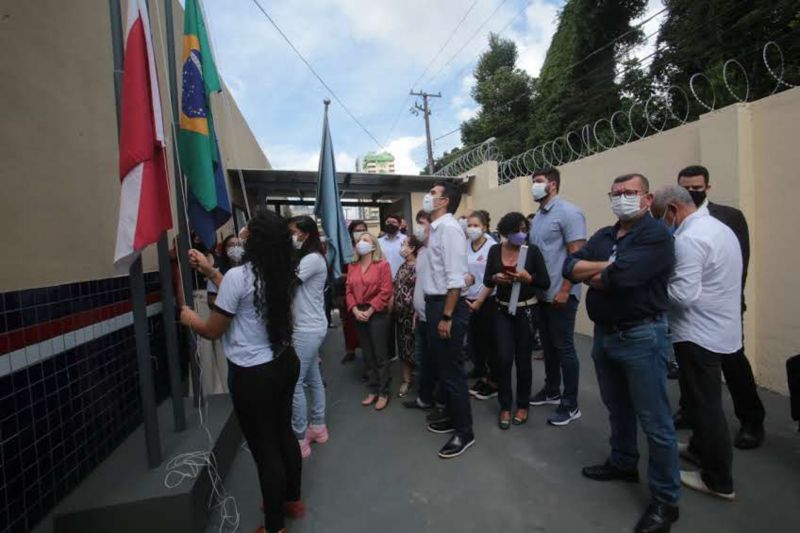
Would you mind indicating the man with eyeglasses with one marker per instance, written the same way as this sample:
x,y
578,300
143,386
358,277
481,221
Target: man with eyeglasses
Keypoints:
x,y
627,267
735,367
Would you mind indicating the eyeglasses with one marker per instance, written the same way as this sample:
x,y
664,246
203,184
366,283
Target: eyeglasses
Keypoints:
x,y
629,195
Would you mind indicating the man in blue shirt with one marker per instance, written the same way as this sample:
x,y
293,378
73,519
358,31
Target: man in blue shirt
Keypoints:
x,y
558,229
627,267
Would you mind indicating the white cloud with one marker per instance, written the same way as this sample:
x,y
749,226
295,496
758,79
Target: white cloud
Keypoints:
x,y
290,157
401,148
650,29
467,113
532,43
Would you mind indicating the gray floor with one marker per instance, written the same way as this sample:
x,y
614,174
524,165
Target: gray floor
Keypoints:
x,y
380,472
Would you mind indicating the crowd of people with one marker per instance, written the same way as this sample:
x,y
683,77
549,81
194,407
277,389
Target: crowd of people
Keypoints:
x,y
667,278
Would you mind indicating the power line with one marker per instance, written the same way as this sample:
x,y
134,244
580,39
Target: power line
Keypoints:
x,y
430,64
314,72
448,134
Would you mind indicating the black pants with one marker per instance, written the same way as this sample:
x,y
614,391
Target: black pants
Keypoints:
x,y
701,387
742,386
262,401
480,337
447,356
514,341
372,338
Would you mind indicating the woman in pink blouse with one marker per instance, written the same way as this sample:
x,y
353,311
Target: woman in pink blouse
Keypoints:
x,y
368,291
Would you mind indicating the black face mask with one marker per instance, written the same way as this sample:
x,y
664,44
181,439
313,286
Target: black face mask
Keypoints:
x,y
698,197
391,229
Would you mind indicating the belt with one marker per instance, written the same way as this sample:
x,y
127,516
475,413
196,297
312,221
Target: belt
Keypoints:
x,y
526,303
625,326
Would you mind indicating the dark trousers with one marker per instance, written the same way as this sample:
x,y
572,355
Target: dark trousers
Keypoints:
x,y
557,331
480,340
391,337
514,341
701,387
447,355
262,400
372,338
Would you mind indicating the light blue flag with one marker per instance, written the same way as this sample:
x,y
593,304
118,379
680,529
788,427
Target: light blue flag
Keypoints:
x,y
328,207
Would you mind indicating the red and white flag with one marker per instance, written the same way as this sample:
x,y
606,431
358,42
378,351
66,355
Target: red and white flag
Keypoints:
x,y
144,207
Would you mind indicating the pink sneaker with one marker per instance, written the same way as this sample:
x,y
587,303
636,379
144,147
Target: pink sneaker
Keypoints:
x,y
305,448
317,434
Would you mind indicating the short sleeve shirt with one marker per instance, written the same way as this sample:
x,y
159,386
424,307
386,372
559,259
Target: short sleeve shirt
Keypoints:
x,y
556,224
391,251
476,265
246,342
308,307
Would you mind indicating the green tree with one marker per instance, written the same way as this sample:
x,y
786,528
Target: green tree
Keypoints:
x,y
700,36
504,94
577,84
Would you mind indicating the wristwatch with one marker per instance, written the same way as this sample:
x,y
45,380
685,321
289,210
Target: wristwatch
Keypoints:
x,y
446,318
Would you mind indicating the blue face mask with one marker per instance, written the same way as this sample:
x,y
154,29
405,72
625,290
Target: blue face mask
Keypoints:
x,y
672,228
518,239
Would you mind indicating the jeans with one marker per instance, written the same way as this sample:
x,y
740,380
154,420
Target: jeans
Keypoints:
x,y
480,340
557,331
447,356
372,336
262,401
514,343
631,368
701,388
307,344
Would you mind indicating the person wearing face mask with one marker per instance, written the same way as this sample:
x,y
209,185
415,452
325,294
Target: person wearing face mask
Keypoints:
x,y
706,327
559,229
231,255
448,315
482,308
357,228
404,284
391,243
627,267
735,367
369,290
310,328
513,332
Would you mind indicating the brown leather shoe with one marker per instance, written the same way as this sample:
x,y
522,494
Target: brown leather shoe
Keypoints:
x,y
369,400
504,422
520,417
383,401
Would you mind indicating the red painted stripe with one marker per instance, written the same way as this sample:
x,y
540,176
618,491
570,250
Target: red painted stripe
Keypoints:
x,y
20,338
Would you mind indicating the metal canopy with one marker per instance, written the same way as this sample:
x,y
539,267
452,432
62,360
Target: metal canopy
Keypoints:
x,y
352,185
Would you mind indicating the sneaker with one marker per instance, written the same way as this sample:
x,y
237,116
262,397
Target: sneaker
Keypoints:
x,y
564,415
486,392
437,415
305,448
456,446
694,481
417,404
542,398
317,434
442,426
476,387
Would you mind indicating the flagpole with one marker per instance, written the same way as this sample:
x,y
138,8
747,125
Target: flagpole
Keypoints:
x,y
183,224
146,382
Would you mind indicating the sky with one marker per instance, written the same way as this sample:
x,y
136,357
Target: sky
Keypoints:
x,y
369,52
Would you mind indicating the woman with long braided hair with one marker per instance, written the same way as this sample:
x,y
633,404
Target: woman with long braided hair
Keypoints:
x,y
253,316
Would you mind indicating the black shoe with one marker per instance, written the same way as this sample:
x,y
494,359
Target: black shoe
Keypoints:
x,y
658,518
680,420
416,404
442,426
437,415
749,439
609,472
672,370
486,392
456,446
476,387
542,398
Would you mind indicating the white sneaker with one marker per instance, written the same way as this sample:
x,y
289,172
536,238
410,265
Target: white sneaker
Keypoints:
x,y
694,481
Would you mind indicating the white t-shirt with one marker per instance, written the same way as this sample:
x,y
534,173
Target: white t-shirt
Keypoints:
x,y
308,309
391,251
476,265
246,342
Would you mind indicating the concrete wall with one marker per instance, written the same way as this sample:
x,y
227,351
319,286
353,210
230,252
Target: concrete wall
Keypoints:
x,y
751,153
58,140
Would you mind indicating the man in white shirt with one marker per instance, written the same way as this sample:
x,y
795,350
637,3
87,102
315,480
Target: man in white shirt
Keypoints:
x,y
391,242
705,321
447,314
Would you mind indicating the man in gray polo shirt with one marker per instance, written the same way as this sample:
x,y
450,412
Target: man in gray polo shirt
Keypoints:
x,y
559,229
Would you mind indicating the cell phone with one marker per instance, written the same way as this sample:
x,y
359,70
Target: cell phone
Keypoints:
x,y
509,269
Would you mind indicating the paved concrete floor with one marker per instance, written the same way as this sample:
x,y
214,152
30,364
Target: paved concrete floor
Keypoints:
x,y
380,472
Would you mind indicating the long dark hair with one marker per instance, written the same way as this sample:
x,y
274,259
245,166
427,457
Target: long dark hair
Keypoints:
x,y
351,228
312,244
268,248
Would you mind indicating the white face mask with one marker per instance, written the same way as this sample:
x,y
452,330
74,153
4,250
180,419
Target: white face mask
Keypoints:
x,y
625,208
463,223
428,203
539,190
364,248
420,234
235,253
474,234
357,235
296,242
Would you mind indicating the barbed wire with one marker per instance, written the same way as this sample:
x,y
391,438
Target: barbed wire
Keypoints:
x,y
665,109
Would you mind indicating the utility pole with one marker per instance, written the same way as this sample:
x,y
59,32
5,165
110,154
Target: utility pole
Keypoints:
x,y
426,113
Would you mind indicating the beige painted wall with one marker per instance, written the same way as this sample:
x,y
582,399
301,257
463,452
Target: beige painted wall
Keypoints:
x,y
751,153
58,141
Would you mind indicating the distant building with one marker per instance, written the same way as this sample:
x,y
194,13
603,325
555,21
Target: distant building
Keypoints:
x,y
382,163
